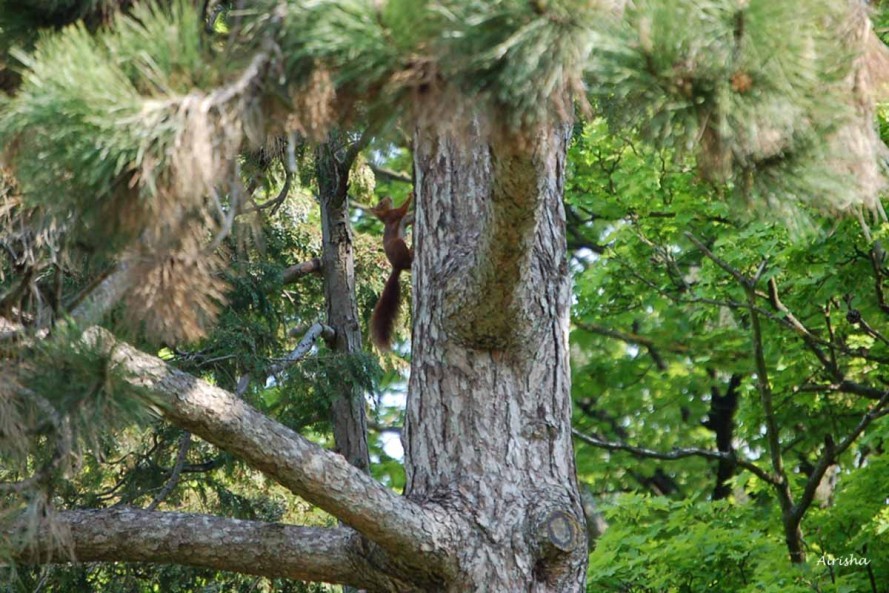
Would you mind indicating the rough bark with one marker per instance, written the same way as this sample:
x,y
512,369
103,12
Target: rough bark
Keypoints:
x,y
487,427
252,547
107,294
297,271
491,500
415,535
347,409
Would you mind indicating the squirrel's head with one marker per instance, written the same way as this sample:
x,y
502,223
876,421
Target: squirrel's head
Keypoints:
x,y
383,206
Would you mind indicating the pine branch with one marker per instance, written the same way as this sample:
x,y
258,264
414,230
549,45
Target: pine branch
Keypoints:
x,y
321,477
273,550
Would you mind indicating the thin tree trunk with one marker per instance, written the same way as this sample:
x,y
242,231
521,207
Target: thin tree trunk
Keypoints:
x,y
347,410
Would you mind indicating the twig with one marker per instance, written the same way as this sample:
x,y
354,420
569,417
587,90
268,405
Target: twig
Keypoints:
x,y
390,175
807,336
175,473
676,453
317,330
275,202
633,338
736,274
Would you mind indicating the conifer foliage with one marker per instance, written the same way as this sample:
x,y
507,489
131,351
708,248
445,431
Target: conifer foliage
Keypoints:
x,y
126,128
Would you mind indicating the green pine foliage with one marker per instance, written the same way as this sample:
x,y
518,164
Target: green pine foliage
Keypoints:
x,y
755,105
105,150
139,133
728,82
521,61
524,58
78,377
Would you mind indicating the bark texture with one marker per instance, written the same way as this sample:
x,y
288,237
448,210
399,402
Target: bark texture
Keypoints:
x,y
347,410
416,535
491,502
487,431
251,547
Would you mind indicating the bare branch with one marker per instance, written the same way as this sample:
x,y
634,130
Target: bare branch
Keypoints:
x,y
317,330
807,336
106,295
275,202
734,272
175,473
785,496
674,454
297,271
389,175
359,145
253,547
832,451
762,372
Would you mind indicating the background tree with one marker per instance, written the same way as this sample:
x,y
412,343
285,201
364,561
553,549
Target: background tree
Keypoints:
x,y
160,160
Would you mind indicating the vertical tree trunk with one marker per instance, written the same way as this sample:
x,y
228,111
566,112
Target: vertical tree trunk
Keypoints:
x,y
347,410
487,430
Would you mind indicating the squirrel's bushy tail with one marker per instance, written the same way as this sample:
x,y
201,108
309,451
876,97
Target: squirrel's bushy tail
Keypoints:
x,y
382,322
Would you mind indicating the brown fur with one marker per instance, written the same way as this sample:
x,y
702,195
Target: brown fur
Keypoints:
x,y
400,256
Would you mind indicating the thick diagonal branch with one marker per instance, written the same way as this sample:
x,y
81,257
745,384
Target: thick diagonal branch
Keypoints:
x,y
321,477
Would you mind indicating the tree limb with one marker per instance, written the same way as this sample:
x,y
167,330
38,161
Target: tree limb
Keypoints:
x,y
253,547
845,387
792,533
108,293
677,453
389,175
832,451
326,479
317,330
804,333
175,472
762,371
297,271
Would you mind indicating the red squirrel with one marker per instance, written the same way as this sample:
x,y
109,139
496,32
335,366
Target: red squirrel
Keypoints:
x,y
400,256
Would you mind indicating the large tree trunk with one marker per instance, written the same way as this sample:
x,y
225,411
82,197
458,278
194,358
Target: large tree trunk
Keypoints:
x,y
491,503
487,431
